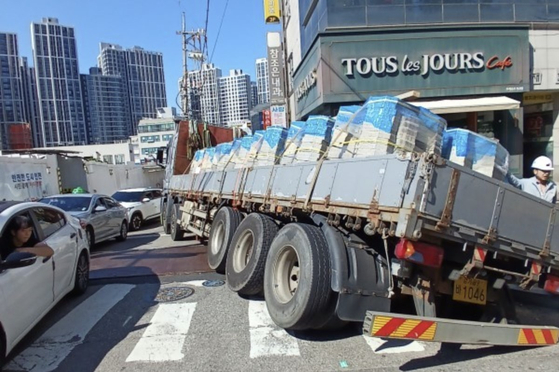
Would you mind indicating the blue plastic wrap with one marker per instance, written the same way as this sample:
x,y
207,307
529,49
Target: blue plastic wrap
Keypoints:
x,y
199,155
296,128
319,125
275,135
345,113
246,142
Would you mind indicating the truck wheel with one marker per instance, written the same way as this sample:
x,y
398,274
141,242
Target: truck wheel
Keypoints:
x,y
297,278
223,227
249,248
176,232
165,218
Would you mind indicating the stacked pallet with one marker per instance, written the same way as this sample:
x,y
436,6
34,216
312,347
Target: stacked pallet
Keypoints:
x,y
272,147
195,165
294,137
316,138
386,124
344,143
476,152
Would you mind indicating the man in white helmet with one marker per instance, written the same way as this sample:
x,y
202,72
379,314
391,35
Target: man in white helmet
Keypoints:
x,y
540,185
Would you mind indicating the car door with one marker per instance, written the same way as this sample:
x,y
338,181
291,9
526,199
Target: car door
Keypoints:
x,y
62,237
115,215
100,220
156,201
148,206
27,290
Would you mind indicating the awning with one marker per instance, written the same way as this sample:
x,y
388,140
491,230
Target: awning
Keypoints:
x,y
451,106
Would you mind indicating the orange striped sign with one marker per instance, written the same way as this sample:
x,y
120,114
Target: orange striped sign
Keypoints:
x,y
479,254
384,326
535,336
536,268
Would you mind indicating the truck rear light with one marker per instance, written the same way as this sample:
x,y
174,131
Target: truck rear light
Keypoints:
x,y
419,253
552,284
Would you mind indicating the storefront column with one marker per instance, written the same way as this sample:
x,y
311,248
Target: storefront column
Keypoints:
x,y
556,135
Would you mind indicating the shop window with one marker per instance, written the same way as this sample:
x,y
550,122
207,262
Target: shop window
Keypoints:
x,y
496,12
385,15
461,13
424,14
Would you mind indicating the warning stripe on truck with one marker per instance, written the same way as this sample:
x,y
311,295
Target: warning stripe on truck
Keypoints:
x,y
529,336
410,327
404,328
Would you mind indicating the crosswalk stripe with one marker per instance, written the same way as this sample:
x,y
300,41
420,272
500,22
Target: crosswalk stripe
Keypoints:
x,y
265,337
47,352
163,339
380,346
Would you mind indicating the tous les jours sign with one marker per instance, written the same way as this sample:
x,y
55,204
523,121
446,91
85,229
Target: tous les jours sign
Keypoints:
x,y
391,65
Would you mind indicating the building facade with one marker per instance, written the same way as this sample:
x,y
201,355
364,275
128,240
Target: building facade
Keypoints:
x,y
12,94
153,134
143,73
262,81
203,94
106,107
495,63
31,103
58,84
235,97
253,94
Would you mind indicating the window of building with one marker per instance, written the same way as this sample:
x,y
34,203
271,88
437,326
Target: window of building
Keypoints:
x,y
108,159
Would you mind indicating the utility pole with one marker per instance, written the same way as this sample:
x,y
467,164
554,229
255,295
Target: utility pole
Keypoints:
x,y
191,48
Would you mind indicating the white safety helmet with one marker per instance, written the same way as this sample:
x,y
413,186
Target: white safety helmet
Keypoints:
x,y
542,163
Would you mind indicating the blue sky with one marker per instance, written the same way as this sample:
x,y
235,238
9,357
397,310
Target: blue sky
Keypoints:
x,y
150,24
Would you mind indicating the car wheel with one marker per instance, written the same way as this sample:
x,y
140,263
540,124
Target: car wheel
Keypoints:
x,y
123,232
136,221
82,275
247,254
90,236
223,228
297,278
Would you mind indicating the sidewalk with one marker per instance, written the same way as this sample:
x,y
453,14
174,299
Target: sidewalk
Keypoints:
x,y
145,253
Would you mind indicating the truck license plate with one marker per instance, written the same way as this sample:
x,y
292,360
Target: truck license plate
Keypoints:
x,y
470,290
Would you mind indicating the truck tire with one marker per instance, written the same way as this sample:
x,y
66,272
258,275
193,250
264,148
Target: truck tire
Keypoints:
x,y
247,254
176,232
223,228
165,218
297,278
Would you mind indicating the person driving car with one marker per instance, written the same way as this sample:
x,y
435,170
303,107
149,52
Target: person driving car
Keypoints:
x,y
19,237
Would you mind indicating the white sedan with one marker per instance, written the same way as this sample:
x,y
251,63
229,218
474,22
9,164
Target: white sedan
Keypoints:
x,y
31,285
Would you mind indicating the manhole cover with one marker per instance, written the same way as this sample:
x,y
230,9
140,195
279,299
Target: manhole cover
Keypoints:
x,y
173,294
213,283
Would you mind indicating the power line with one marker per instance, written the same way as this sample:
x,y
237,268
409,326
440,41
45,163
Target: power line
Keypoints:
x,y
219,30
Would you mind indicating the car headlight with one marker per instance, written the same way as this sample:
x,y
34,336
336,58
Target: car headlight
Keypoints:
x,y
130,208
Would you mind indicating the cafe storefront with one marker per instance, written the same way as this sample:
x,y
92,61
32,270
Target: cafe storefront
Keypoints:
x,y
475,77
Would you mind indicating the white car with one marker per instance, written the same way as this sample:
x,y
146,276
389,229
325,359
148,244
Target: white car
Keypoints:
x,y
142,204
30,285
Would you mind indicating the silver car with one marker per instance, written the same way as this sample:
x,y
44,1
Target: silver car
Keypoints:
x,y
101,216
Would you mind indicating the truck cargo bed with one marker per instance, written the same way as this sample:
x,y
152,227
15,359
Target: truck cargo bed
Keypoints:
x,y
415,197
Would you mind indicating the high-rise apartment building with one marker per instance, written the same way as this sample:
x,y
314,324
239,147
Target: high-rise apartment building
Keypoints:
x,y
12,103
253,93
235,97
262,81
204,95
58,84
106,107
30,101
143,74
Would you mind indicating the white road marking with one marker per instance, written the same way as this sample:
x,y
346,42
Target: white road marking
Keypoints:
x,y
126,321
57,343
265,337
380,346
163,339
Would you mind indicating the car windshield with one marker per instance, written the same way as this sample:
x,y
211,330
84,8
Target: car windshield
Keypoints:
x,y
128,196
70,203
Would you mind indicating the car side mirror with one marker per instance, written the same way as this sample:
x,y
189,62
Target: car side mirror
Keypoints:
x,y
100,208
18,259
145,200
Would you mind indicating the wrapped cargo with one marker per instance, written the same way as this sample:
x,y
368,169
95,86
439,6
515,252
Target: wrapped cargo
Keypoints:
x,y
222,155
195,165
343,143
386,124
240,158
229,163
257,139
294,136
207,162
476,152
316,138
272,146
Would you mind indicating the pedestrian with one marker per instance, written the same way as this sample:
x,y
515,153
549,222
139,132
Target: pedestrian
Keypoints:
x,y
540,185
